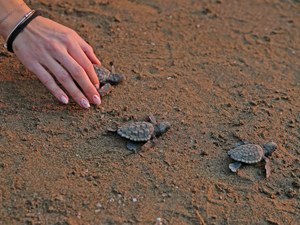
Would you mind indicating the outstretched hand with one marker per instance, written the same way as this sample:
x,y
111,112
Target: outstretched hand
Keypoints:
x,y
45,44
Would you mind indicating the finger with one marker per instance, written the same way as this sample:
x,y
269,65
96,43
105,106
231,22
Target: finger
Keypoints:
x,y
83,55
66,80
88,50
79,74
49,82
80,57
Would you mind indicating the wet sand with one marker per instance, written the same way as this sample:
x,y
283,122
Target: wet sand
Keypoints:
x,y
220,71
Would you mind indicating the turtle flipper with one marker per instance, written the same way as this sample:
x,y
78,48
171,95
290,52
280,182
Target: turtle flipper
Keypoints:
x,y
267,166
235,166
111,130
112,67
131,145
105,89
152,119
149,144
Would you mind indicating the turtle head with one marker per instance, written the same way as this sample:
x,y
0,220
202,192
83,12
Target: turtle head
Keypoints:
x,y
161,128
115,78
269,147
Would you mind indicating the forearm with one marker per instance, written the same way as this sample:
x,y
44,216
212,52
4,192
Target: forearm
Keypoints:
x,y
7,6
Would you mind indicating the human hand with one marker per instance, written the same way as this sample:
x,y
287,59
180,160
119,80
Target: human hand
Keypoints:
x,y
45,44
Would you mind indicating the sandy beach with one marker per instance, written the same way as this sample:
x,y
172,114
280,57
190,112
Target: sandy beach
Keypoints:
x,y
220,71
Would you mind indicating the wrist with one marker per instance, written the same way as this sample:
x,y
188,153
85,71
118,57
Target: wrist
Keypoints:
x,y
7,25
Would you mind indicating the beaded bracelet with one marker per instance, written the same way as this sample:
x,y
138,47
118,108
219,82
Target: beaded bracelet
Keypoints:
x,y
19,27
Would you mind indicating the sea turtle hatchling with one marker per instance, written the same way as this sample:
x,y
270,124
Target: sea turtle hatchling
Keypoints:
x,y
251,153
108,78
142,132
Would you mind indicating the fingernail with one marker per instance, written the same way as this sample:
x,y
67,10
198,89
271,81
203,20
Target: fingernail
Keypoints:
x,y
96,100
97,86
64,99
85,103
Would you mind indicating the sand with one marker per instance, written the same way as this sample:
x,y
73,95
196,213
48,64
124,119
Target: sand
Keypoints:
x,y
220,71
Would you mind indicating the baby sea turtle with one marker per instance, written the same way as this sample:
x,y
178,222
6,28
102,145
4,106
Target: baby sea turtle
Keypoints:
x,y
250,153
142,132
108,78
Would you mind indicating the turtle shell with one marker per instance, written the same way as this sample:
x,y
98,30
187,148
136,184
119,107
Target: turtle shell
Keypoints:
x,y
102,73
248,153
139,131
